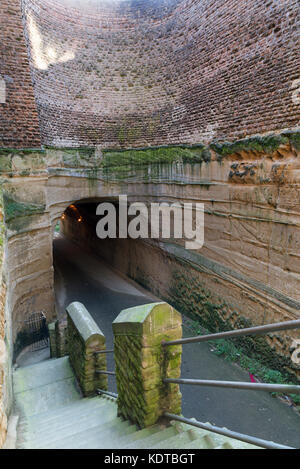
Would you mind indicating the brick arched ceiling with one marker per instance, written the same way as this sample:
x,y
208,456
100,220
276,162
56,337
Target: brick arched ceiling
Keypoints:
x,y
152,72
19,126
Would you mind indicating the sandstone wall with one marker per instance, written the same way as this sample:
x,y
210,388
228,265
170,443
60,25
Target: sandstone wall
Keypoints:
x,y
29,265
19,125
246,273
3,416
145,73
5,373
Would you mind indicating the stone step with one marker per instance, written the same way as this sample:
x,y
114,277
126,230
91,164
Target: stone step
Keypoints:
x,y
210,439
44,398
72,425
151,440
55,416
58,440
225,446
41,374
177,441
69,408
95,438
110,440
141,434
81,409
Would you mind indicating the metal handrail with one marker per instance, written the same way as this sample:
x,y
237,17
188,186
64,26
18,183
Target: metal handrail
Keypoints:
x,y
111,394
279,326
105,372
280,388
231,434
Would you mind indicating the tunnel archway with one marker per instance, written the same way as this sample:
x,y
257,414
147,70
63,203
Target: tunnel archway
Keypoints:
x,y
118,260
195,283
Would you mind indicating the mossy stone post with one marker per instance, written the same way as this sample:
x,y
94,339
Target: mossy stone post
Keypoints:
x,y
61,333
84,340
52,340
142,362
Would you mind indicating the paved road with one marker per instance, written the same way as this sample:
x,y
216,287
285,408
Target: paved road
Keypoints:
x,y
81,276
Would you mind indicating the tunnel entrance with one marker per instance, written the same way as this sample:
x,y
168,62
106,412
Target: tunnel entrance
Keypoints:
x,y
92,270
89,270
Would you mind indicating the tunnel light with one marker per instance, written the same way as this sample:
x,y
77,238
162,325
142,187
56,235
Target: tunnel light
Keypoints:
x,y
79,219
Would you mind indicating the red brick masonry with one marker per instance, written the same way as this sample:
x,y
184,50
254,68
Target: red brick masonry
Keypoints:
x,y
134,73
19,125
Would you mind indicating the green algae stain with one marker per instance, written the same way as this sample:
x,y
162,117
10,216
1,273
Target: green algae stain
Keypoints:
x,y
2,229
189,296
92,176
294,138
17,214
139,157
261,144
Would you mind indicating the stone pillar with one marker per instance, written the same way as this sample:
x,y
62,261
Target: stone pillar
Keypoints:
x,y
52,340
61,334
142,362
58,335
84,339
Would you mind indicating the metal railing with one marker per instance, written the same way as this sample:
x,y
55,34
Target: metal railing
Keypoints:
x,y
231,434
279,326
107,393
104,372
279,388
99,372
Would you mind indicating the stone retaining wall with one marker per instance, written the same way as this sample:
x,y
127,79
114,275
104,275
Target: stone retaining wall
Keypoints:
x,y
3,416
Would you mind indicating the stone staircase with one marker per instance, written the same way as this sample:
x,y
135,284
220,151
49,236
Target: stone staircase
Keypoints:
x,y
53,415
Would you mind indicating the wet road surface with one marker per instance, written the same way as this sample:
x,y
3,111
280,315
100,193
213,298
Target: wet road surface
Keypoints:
x,y
81,276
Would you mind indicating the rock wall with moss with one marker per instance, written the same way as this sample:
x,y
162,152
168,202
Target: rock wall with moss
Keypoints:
x,y
28,266
3,356
250,189
247,272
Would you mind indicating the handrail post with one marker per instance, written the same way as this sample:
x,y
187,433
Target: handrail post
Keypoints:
x,y
142,362
84,339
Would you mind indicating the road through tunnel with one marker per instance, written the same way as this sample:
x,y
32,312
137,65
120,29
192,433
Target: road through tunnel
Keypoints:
x,y
99,273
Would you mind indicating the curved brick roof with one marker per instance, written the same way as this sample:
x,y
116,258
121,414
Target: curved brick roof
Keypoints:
x,y
152,72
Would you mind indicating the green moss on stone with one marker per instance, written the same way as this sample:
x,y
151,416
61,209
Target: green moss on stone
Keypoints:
x,y
21,151
5,163
294,138
2,231
261,144
17,214
190,297
159,155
